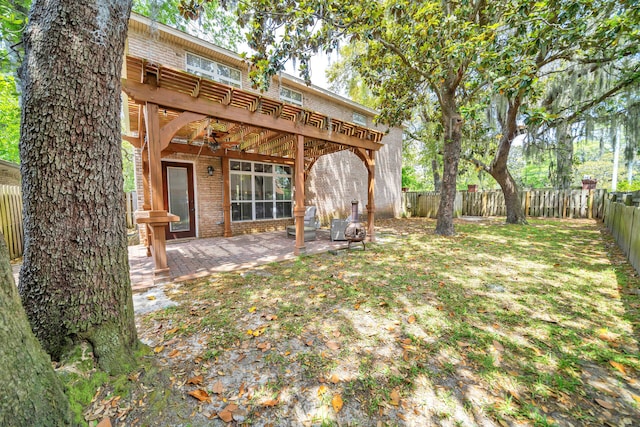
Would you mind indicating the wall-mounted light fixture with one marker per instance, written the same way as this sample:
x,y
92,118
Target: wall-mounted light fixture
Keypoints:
x,y
210,170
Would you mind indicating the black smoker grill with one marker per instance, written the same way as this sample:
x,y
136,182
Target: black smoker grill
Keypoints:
x,y
355,231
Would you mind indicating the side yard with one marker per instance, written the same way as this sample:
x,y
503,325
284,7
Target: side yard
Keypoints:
x,y
499,325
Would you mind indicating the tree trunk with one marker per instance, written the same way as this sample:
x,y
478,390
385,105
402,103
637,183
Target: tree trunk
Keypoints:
x,y
564,158
31,392
75,275
499,169
512,201
437,183
452,124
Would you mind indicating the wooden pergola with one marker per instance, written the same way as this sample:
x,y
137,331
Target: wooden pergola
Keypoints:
x,y
171,111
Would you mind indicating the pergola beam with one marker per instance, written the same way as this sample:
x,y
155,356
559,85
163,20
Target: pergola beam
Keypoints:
x,y
168,98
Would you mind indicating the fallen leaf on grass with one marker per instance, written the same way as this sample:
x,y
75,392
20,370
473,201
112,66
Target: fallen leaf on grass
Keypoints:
x,y
636,398
242,390
498,346
264,346
252,309
106,422
201,395
217,388
463,344
322,390
411,319
605,403
336,402
334,379
607,336
225,416
158,349
395,397
195,380
257,332
332,345
151,297
270,403
618,366
271,317
172,331
174,353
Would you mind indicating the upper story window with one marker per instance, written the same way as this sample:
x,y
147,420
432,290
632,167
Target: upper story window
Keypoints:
x,y
291,96
213,70
359,119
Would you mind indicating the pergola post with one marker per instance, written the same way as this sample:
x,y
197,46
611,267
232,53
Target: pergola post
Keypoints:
x,y
299,209
371,207
226,197
157,218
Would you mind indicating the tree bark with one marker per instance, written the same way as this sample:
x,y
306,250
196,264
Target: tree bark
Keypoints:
x,y
32,394
452,125
74,279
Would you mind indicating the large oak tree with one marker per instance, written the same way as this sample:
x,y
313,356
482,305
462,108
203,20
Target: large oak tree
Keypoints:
x,y
416,52
74,280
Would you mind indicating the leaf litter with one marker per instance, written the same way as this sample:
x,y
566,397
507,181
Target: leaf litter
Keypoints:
x,y
411,317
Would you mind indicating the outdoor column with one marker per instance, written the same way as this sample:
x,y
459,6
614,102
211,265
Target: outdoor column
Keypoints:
x,y
226,197
298,210
157,218
371,206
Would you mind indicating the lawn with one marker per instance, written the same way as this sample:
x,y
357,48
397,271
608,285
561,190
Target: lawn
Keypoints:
x,y
499,325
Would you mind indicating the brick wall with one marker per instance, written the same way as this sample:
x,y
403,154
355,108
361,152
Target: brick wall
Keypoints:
x,y
209,198
165,51
337,179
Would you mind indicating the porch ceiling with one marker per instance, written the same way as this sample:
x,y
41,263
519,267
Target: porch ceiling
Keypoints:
x,y
235,120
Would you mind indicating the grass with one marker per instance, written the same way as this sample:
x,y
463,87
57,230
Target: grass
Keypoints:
x,y
499,321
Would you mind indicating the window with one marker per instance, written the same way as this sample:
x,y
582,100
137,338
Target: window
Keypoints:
x,y
260,191
359,119
210,69
291,96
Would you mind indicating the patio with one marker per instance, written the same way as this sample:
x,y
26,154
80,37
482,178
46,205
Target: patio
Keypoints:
x,y
193,258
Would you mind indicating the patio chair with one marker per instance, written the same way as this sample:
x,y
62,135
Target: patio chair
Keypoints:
x,y
310,225
337,228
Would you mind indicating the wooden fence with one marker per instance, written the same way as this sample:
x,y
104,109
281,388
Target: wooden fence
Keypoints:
x,y
535,203
11,217
131,204
624,223
425,203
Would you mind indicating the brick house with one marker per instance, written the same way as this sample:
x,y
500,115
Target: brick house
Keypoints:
x,y
215,157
